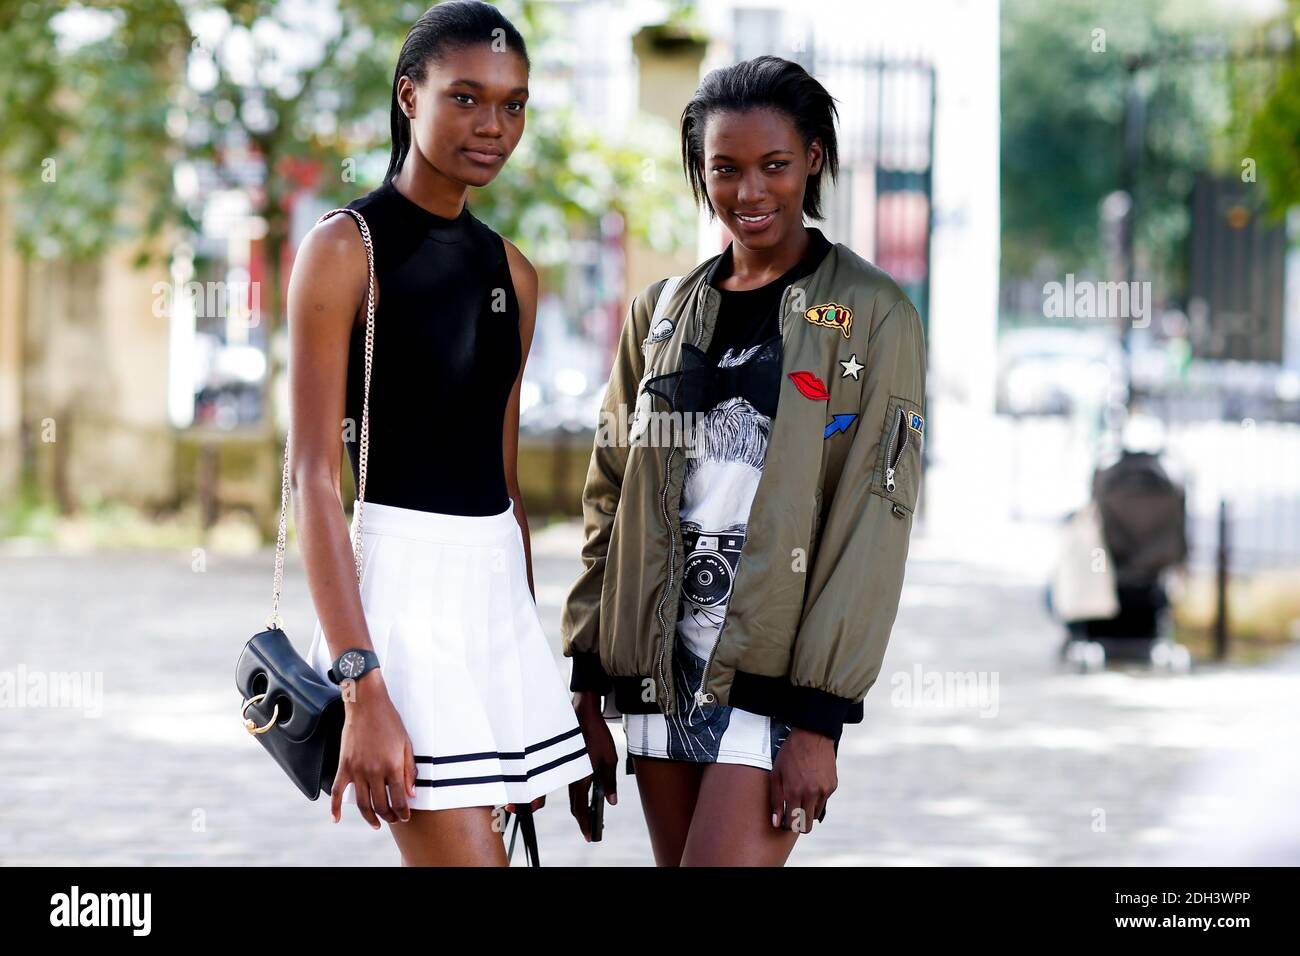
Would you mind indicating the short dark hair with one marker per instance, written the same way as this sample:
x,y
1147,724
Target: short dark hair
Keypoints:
x,y
765,82
448,26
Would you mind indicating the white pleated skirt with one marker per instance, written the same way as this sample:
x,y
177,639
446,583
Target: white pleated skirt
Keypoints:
x,y
465,659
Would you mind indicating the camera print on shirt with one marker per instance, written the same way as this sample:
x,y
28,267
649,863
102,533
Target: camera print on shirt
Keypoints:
x,y
718,489
717,492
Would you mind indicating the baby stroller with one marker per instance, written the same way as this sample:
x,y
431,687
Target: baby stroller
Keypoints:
x,y
1138,522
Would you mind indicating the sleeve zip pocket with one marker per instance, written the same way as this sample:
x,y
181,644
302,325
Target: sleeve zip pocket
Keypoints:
x,y
898,473
897,445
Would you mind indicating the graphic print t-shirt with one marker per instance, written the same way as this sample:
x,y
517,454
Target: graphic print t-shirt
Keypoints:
x,y
732,438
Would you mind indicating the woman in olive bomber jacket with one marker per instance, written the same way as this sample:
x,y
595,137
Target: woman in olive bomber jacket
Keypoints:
x,y
812,597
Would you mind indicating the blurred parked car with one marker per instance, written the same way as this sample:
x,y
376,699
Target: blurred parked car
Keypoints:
x,y
1050,371
553,409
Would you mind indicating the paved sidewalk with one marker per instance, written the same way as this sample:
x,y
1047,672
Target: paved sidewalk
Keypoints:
x,y
1053,768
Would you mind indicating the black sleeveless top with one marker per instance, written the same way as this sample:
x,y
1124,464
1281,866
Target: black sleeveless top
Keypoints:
x,y
445,356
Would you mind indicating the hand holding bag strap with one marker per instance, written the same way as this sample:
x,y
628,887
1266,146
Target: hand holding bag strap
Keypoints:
x,y
274,620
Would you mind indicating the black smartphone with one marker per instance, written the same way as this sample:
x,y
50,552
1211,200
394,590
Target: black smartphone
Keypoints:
x,y
596,812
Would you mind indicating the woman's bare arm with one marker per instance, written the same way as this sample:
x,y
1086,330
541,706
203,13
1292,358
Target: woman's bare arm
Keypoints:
x,y
326,297
327,293
524,277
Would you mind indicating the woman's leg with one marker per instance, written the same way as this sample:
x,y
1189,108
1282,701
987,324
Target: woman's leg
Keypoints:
x,y
668,791
732,823
462,836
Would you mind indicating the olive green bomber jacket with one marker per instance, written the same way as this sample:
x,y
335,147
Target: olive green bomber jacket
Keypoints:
x,y
818,584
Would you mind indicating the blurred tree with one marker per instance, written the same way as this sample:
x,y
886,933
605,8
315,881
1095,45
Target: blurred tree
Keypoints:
x,y
120,117
257,91
83,109
1064,83
309,91
1267,115
119,96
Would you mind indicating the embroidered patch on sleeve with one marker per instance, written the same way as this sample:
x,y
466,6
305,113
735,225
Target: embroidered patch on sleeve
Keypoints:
x,y
661,330
839,423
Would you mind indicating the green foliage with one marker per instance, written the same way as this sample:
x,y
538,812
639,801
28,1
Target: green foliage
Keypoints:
x,y
564,173
1275,143
222,83
29,513
85,137
1271,104
1062,127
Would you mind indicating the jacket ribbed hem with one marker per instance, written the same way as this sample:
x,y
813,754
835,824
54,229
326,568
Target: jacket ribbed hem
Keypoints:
x,y
588,673
822,712
628,694
805,707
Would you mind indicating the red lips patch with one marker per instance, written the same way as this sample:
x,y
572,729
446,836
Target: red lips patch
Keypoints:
x,y
810,386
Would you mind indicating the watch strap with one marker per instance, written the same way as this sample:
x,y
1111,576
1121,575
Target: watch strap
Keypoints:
x,y
370,657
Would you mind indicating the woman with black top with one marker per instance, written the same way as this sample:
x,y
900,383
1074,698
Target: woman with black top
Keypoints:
x,y
458,708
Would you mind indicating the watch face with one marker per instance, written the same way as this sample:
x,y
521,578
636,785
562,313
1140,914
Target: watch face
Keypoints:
x,y
351,664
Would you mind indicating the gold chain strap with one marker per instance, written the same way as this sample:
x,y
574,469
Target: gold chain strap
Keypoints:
x,y
274,620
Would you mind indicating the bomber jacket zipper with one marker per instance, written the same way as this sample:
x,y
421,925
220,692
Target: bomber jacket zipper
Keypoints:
x,y
896,448
700,696
667,703
672,569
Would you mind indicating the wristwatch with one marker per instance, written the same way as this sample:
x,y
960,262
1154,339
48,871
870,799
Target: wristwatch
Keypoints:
x,y
352,663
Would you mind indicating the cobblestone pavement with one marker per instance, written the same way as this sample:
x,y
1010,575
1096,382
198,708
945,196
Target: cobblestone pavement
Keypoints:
x,y
1047,768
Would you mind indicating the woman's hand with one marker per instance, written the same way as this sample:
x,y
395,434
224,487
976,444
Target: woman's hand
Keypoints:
x,y
375,754
604,759
535,805
802,780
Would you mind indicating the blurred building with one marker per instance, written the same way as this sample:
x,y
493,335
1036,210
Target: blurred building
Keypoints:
x,y
84,360
919,125
918,192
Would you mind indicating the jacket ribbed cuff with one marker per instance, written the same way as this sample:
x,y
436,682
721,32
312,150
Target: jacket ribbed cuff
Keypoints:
x,y
589,674
817,710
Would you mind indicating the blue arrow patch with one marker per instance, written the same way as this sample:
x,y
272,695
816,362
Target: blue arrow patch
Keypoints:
x,y
840,423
